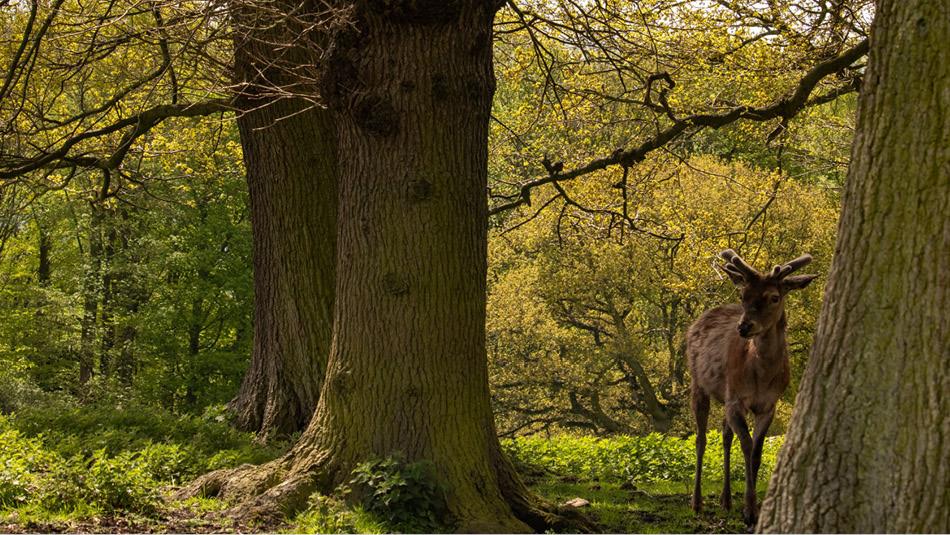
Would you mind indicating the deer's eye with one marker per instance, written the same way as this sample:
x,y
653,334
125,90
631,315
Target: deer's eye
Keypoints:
x,y
775,299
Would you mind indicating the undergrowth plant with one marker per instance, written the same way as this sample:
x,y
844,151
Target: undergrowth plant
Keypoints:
x,y
404,494
629,459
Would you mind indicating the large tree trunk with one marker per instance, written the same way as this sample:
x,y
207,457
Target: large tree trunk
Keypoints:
x,y
407,372
290,156
408,367
868,449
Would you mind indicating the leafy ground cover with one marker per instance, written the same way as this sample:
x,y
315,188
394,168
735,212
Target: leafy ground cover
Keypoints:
x,y
109,467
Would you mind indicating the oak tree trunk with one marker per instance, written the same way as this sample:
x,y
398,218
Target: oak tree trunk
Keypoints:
x,y
868,449
410,86
289,154
408,368
292,193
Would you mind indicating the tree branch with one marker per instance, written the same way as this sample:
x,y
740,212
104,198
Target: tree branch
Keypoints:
x,y
784,108
139,123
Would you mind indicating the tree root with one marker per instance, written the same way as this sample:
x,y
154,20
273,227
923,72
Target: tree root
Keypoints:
x,y
271,492
259,493
539,514
233,484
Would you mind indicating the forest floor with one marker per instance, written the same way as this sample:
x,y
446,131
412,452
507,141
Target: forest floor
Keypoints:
x,y
655,508
109,469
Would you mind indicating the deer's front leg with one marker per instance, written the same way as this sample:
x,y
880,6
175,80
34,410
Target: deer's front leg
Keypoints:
x,y
725,499
735,414
762,423
700,403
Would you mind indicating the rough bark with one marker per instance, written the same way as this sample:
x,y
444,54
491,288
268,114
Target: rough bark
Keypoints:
x,y
289,153
408,368
407,371
867,449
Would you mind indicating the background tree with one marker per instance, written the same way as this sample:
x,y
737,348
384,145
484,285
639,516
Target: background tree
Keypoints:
x,y
585,323
867,449
182,55
289,152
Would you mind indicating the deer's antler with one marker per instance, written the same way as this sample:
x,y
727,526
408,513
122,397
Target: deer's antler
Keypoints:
x,y
737,266
782,271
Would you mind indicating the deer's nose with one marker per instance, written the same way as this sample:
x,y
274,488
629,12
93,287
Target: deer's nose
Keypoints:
x,y
745,328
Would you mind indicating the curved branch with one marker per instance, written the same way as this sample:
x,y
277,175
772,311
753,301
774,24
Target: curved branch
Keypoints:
x,y
139,123
784,108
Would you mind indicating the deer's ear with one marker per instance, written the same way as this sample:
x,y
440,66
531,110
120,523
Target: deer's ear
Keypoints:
x,y
797,282
735,275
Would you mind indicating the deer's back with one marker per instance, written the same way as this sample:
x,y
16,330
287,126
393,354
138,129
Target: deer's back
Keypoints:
x,y
709,341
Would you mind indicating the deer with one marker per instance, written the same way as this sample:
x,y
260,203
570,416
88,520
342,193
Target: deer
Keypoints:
x,y
738,355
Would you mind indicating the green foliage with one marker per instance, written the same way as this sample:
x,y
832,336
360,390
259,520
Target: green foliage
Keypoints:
x,y
109,458
17,391
123,482
35,475
185,446
405,495
586,320
327,514
630,459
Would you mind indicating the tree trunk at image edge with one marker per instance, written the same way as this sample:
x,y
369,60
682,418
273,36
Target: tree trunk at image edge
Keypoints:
x,y
868,449
407,372
289,154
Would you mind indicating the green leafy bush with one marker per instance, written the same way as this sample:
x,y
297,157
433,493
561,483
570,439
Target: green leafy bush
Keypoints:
x,y
405,495
111,458
649,458
186,445
17,391
121,483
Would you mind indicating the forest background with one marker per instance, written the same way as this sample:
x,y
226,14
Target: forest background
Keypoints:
x,y
126,283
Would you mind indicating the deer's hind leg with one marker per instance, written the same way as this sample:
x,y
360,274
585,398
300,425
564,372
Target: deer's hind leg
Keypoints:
x,y
725,500
700,406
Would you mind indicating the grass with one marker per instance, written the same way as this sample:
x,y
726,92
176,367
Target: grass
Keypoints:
x,y
650,508
107,468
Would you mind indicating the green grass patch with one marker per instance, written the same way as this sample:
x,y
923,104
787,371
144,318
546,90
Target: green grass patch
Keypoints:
x,y
79,462
105,467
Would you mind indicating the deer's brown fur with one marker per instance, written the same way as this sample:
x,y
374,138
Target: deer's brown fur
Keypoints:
x,y
738,356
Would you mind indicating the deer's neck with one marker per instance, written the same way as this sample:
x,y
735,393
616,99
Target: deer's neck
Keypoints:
x,y
770,344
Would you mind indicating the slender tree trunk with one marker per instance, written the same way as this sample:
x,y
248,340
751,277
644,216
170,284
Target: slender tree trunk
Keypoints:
x,y
290,156
92,286
868,449
44,269
125,364
195,328
108,305
129,294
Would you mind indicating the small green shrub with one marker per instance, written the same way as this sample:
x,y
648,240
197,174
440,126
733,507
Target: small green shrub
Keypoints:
x,y
648,459
17,391
327,514
405,495
121,483
110,458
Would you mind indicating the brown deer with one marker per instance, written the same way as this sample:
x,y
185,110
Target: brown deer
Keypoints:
x,y
738,355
